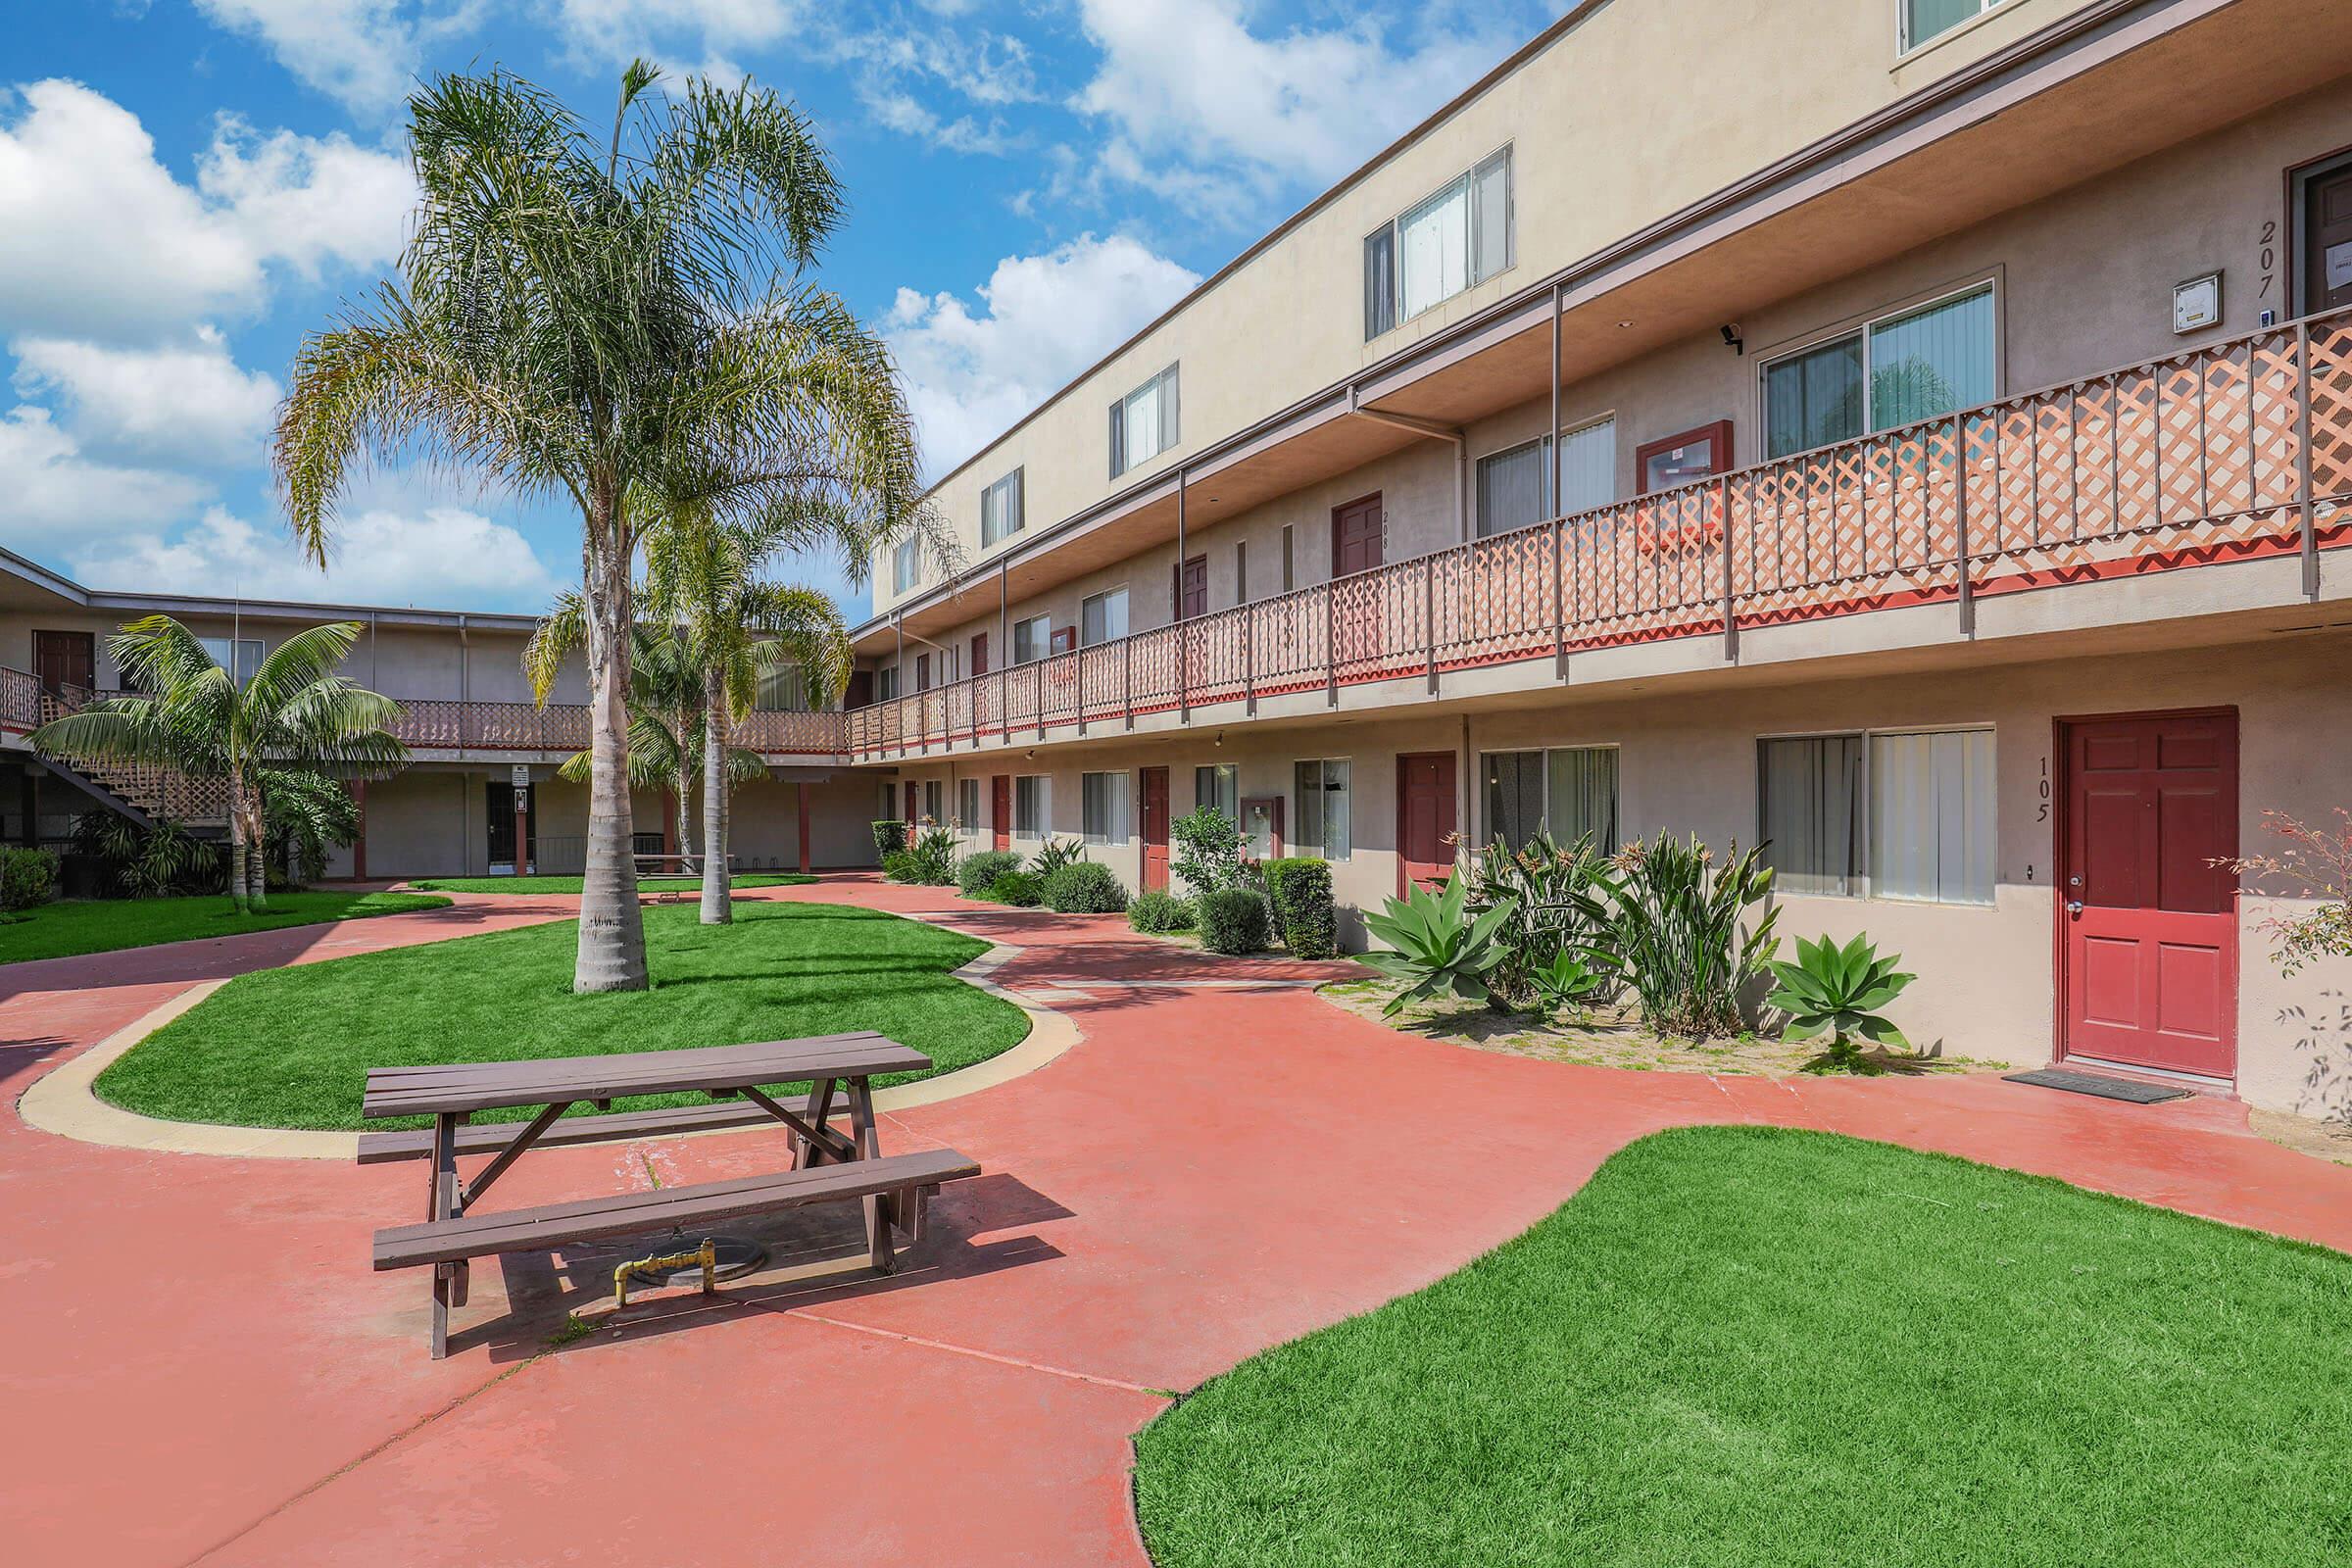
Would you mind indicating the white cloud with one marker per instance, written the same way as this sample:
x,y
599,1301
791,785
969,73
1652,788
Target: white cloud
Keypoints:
x,y
1040,320
187,403
717,30
444,557
99,241
908,116
363,53
1187,81
54,493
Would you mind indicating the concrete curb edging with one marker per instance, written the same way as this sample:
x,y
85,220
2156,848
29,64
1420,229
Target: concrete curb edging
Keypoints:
x,y
63,1102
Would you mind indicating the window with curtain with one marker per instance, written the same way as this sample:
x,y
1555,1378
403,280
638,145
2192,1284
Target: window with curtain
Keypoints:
x,y
1144,423
786,691
1103,618
1809,812
1322,828
1569,792
1032,639
967,803
1000,508
241,657
886,683
1514,796
1511,485
1931,816
935,801
1588,467
1102,807
1032,805
1927,20
1459,234
905,566
1896,370
1219,786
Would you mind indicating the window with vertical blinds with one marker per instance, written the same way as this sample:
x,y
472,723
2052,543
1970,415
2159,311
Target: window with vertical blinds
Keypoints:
x,y
1144,422
1322,828
1809,796
1588,467
1000,508
1930,815
1219,787
1032,805
1510,487
967,803
1102,807
1569,792
1896,370
1459,234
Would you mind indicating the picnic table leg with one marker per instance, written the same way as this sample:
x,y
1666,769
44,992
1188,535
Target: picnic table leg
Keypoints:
x,y
880,1211
449,1280
806,1153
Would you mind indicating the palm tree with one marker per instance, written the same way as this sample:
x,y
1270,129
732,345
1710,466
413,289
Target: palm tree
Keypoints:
x,y
572,315
295,713
705,573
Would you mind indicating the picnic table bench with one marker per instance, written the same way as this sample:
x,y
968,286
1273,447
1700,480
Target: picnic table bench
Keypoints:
x,y
672,864
828,1164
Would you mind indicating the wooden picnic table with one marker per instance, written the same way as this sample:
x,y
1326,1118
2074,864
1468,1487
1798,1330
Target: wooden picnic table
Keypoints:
x,y
827,1165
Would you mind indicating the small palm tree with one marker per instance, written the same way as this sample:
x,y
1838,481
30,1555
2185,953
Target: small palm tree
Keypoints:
x,y
295,713
575,314
706,574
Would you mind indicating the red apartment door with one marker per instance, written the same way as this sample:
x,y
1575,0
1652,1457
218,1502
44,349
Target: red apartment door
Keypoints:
x,y
1191,589
2326,259
63,658
1000,812
1424,819
1156,829
1355,537
2147,923
1355,611
912,800
979,653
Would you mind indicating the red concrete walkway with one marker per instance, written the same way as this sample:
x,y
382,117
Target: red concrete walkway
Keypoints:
x,y
202,1369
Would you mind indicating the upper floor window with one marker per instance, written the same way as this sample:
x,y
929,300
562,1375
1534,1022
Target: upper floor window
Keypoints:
x,y
1000,508
886,683
1032,639
1511,483
1103,618
1143,422
785,690
240,656
905,565
1923,19
1457,235
1900,368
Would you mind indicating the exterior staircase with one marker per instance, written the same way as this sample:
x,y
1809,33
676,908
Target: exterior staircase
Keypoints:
x,y
139,792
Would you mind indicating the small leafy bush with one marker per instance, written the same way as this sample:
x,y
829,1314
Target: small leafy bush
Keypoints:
x,y
1155,910
1084,887
1207,853
981,868
934,853
1838,991
1019,889
1566,984
901,865
889,837
1439,948
26,877
1234,920
1301,892
1055,854
158,861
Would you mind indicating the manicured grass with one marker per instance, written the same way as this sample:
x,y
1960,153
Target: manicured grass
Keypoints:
x,y
571,884
1744,1345
108,925
290,1047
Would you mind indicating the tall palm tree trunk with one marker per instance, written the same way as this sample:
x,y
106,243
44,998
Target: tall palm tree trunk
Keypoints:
x,y
611,948
239,891
717,728
257,859
683,788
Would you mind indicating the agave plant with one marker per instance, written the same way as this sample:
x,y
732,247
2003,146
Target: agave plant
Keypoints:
x,y
1838,991
1566,982
1672,925
1439,949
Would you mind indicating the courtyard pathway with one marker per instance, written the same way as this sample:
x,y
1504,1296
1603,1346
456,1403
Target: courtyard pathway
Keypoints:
x,y
200,1368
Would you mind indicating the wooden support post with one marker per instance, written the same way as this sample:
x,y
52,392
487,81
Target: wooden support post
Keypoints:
x,y
1968,590
2309,522
1429,617
1723,526
801,814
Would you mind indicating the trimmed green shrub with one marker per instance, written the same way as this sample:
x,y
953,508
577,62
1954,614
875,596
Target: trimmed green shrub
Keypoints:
x,y
901,865
26,877
1301,892
889,837
1084,887
1234,920
1019,889
1159,911
979,870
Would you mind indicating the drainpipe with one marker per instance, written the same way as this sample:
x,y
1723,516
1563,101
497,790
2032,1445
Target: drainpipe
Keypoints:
x,y
1436,431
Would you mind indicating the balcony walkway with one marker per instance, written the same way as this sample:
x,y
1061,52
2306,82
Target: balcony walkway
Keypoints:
x,y
206,1371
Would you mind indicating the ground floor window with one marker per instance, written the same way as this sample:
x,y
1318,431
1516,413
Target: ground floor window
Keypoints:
x,y
1568,791
1102,807
935,801
1219,786
1322,828
967,803
1901,815
1032,804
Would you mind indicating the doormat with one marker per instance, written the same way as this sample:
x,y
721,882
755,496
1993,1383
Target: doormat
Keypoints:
x,y
2099,1084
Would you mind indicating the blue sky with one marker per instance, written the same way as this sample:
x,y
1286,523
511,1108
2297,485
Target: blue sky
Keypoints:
x,y
187,186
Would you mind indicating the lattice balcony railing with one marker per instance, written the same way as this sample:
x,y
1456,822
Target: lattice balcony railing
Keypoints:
x,y
2235,451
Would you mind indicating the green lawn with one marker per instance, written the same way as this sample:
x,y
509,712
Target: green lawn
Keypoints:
x,y
1744,1345
289,1047
571,884
108,925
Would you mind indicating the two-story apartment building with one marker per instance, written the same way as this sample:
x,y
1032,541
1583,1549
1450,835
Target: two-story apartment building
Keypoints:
x,y
1913,433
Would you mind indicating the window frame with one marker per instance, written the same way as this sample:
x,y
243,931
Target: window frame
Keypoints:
x,y
905,566
967,805
1386,313
1044,645
1233,771
886,683
1861,327
1320,849
1866,875
1168,419
1126,616
1546,751
1905,45
1008,494
1039,788
1115,804
236,647
1717,433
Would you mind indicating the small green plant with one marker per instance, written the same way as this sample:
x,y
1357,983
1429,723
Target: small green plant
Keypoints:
x,y
1084,887
1666,921
889,837
1234,920
901,865
1838,991
1566,985
26,877
1207,853
1300,892
1019,889
1055,854
979,870
158,860
1158,911
934,853
1547,880
1439,949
